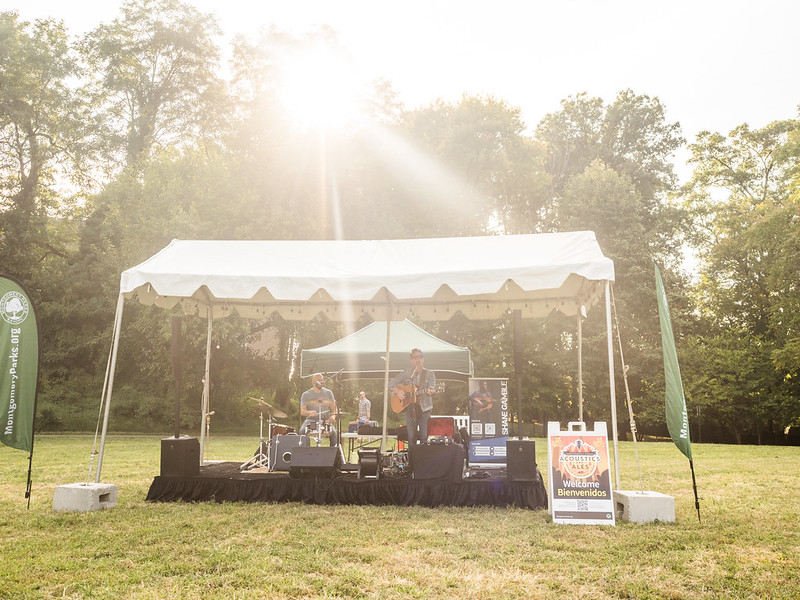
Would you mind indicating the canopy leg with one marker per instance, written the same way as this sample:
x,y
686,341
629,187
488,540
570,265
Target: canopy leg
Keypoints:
x,y
580,365
386,381
206,386
611,383
115,348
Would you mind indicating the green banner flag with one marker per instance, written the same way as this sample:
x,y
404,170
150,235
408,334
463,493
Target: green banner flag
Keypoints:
x,y
19,360
674,399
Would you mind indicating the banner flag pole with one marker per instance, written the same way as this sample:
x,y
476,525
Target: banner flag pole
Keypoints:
x,y
674,397
694,487
19,378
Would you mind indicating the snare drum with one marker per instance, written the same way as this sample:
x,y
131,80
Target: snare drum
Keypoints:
x,y
326,428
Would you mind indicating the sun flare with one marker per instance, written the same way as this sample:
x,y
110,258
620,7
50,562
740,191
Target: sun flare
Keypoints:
x,y
319,88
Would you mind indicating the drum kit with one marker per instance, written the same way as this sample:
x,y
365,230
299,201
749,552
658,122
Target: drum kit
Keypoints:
x,y
317,431
261,457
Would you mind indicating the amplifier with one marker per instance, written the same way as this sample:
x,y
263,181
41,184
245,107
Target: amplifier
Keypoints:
x,y
180,457
369,463
521,460
314,461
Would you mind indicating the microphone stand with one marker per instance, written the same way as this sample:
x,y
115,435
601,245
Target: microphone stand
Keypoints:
x,y
208,432
335,378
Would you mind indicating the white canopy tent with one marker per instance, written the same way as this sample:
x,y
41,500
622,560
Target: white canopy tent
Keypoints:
x,y
481,277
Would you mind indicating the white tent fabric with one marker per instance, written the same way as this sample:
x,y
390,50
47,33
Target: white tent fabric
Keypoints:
x,y
481,277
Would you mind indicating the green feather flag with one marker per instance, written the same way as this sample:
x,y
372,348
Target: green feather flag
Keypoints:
x,y
19,369
19,349
674,399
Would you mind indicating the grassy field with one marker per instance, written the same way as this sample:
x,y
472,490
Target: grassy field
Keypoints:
x,y
747,546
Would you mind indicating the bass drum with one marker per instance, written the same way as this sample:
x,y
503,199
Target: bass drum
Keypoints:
x,y
280,450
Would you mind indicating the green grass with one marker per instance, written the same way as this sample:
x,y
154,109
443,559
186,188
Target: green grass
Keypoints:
x,y
747,545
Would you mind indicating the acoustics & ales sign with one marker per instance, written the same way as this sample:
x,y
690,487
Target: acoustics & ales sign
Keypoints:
x,y
580,475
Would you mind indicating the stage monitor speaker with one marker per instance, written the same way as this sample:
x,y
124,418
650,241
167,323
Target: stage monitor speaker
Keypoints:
x,y
180,457
282,448
369,460
316,461
437,461
521,460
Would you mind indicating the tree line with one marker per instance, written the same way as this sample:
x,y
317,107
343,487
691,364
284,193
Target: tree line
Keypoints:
x,y
118,141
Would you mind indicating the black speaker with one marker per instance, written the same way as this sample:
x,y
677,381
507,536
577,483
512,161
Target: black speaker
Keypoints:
x,y
437,461
521,460
282,449
180,457
369,460
314,461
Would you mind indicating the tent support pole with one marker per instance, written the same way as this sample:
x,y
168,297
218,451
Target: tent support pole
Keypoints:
x,y
611,383
114,349
384,438
580,366
517,327
206,387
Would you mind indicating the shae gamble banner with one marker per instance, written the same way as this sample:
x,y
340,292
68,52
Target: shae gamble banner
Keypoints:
x,y
488,420
19,366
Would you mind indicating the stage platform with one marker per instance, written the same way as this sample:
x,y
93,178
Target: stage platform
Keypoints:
x,y
223,482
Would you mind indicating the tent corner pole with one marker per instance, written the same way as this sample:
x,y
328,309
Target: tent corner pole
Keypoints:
x,y
206,385
580,366
384,437
612,384
112,370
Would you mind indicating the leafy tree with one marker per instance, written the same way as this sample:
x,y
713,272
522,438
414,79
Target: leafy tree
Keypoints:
x,y
155,77
630,135
744,197
40,138
482,171
611,170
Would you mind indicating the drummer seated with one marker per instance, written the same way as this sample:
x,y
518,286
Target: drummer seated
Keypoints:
x,y
317,407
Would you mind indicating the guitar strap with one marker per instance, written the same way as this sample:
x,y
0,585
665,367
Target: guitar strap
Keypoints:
x,y
423,378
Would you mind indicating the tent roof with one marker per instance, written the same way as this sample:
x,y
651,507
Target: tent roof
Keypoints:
x,y
363,353
482,277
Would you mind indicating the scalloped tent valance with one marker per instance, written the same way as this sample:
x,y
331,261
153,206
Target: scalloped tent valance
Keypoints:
x,y
482,277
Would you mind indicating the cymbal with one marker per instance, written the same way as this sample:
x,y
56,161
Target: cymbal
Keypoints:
x,y
268,408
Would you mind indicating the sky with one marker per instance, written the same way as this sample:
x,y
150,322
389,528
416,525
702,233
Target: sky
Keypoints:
x,y
713,64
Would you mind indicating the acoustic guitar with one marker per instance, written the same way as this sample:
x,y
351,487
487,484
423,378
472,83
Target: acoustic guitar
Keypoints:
x,y
411,397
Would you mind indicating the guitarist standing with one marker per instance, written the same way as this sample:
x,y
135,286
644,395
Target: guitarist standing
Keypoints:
x,y
415,387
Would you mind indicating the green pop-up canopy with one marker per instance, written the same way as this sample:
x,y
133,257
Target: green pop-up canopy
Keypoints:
x,y
362,354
